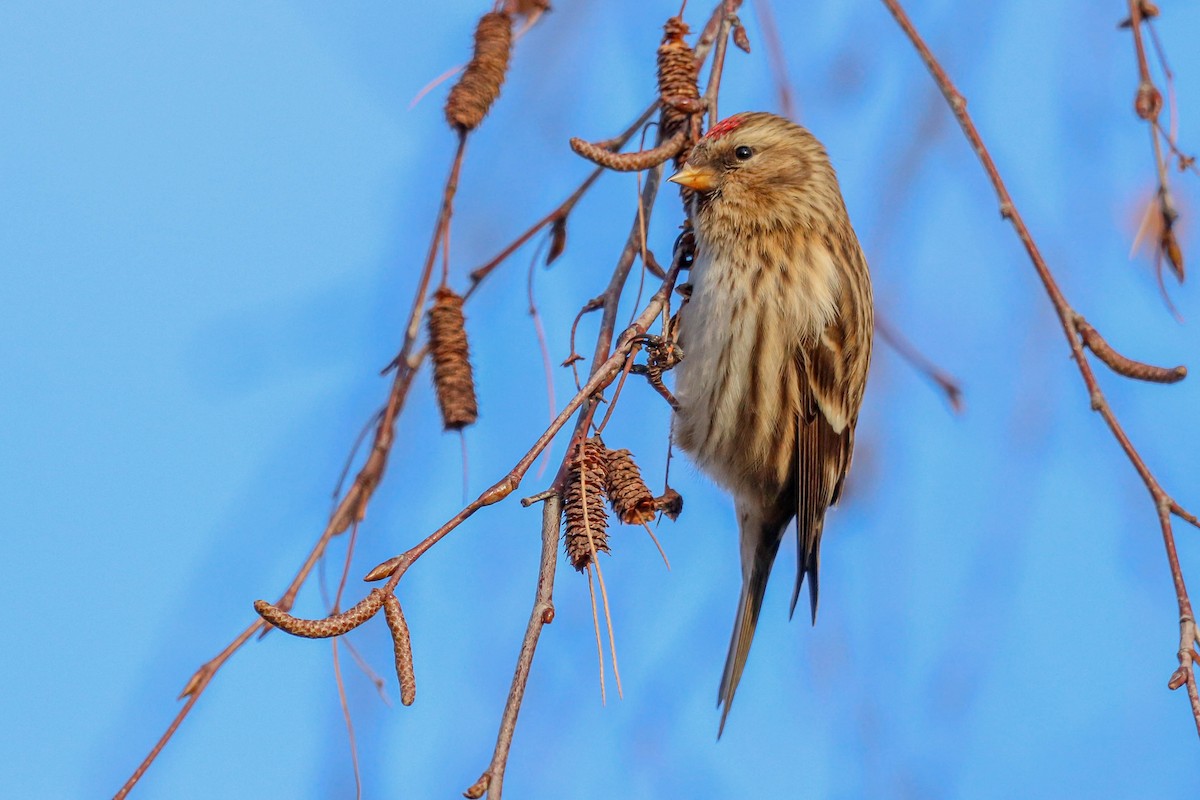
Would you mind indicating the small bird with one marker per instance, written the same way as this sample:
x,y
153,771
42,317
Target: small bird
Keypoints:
x,y
776,342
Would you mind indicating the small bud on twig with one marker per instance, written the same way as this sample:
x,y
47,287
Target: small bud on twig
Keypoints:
x,y
451,361
1148,101
479,86
740,39
558,240
478,788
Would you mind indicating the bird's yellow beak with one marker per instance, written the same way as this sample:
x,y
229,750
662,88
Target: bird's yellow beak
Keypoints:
x,y
702,179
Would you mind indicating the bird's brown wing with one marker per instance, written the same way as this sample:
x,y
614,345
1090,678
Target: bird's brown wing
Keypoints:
x,y
833,375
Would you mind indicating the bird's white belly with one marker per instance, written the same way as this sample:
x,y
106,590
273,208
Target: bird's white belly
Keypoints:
x,y
738,384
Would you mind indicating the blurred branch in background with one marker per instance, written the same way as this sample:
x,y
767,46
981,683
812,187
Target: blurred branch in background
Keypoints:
x,y
1080,335
1161,215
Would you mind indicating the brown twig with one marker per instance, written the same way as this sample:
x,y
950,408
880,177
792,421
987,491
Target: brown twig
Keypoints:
x,y
1148,104
728,15
678,98
559,214
604,372
347,718
541,615
1165,505
777,56
945,382
353,505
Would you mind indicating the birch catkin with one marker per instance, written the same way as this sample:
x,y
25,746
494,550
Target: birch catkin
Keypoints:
x,y
585,520
452,375
480,83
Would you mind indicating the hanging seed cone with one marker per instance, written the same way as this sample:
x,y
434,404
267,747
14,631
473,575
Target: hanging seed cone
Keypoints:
x,y
631,499
451,361
677,74
479,86
583,504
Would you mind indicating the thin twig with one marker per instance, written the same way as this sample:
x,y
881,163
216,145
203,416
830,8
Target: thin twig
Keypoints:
x,y
777,56
560,213
353,504
945,382
541,615
1165,505
605,372
345,705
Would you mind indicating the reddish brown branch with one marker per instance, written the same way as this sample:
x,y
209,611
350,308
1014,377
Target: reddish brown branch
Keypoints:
x,y
946,382
192,691
777,56
353,505
1148,104
541,615
559,214
1163,502
604,372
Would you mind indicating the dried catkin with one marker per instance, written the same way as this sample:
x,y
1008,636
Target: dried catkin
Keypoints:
x,y
677,74
583,504
480,83
451,360
631,499
671,503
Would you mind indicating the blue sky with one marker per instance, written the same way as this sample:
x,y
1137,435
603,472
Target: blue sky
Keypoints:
x,y
213,223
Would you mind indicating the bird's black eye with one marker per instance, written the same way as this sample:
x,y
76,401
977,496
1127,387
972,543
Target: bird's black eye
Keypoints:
x,y
743,153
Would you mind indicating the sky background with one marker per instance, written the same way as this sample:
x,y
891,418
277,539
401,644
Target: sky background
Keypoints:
x,y
213,220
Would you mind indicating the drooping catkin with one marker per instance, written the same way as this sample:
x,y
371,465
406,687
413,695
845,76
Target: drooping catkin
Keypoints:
x,y
677,74
631,499
585,519
480,83
402,647
334,625
451,360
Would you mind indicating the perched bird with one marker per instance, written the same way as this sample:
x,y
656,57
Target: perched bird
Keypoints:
x,y
776,342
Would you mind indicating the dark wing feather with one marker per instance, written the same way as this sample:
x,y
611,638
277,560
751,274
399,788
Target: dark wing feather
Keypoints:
x,y
834,369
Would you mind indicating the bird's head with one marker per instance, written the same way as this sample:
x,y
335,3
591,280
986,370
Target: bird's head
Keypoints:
x,y
761,165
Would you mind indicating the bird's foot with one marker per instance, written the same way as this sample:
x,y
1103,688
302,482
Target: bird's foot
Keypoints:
x,y
662,354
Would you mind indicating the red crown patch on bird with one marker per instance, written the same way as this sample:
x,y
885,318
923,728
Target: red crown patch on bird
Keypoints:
x,y
724,127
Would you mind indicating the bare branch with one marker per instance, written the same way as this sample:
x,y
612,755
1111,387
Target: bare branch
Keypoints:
x,y
1163,502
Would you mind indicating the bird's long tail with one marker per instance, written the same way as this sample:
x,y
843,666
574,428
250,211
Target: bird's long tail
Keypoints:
x,y
760,543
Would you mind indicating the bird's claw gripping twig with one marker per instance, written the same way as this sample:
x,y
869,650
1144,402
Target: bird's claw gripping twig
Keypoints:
x,y
662,354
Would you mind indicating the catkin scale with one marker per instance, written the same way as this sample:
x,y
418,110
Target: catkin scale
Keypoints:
x,y
479,86
451,360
